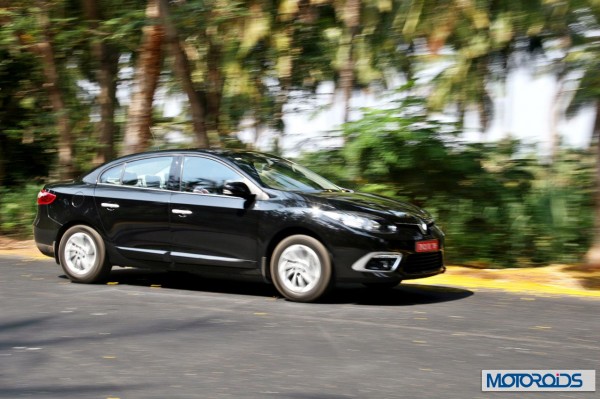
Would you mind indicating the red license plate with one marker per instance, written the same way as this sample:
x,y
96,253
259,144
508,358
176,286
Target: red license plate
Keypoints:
x,y
427,246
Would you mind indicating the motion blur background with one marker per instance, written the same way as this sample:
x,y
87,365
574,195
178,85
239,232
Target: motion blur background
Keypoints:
x,y
485,112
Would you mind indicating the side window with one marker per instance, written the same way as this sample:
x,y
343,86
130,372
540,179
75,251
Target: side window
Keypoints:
x,y
112,175
149,173
206,176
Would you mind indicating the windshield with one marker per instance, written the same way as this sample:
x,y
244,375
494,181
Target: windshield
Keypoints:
x,y
280,174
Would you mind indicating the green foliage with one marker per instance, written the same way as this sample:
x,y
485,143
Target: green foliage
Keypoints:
x,y
249,59
17,210
498,206
24,136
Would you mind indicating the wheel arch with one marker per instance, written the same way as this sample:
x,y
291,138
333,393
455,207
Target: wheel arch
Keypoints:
x,y
282,235
63,229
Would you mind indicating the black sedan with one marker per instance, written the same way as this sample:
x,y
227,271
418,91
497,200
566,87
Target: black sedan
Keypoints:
x,y
235,214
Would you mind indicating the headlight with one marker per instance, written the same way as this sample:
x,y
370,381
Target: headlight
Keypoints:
x,y
361,222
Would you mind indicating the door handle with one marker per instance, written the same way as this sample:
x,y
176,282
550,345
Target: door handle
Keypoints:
x,y
181,212
109,205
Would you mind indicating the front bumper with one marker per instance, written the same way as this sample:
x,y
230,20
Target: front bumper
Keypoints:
x,y
407,266
377,259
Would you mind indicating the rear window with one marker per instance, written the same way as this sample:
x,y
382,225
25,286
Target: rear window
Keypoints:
x,y
148,173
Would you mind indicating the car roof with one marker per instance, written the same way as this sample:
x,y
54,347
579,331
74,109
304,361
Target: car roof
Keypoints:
x,y
220,152
92,175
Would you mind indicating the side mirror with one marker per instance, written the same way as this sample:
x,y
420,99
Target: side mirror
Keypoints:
x,y
237,189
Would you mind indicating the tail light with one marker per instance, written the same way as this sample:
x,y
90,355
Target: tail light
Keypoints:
x,y
45,197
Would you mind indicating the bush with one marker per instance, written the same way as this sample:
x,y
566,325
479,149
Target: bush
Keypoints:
x,y
498,206
17,211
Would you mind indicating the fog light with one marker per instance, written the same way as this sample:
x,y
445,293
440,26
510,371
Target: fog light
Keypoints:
x,y
378,262
381,264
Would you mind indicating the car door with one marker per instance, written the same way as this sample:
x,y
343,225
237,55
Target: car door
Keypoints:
x,y
133,203
208,227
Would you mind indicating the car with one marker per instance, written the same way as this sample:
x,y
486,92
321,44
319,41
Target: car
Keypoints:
x,y
240,214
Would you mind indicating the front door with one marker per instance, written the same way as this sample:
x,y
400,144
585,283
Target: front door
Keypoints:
x,y
210,228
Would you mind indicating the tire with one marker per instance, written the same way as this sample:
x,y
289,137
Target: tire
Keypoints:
x,y
385,285
301,268
82,255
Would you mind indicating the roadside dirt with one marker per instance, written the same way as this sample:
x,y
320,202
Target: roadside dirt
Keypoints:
x,y
579,280
18,247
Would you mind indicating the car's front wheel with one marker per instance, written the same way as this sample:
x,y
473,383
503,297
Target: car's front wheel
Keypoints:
x,y
82,255
301,268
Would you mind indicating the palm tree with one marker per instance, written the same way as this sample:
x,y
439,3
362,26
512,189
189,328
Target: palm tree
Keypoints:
x,y
474,42
584,57
182,68
139,119
45,49
106,60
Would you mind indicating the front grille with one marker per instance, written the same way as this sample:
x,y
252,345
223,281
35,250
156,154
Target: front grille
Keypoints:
x,y
423,263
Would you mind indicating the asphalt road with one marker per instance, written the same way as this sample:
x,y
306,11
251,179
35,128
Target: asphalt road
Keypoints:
x,y
157,335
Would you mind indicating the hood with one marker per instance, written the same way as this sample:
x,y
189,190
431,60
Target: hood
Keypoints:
x,y
392,210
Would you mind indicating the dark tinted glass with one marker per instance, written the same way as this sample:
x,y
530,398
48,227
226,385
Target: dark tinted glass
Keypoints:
x,y
112,175
149,173
206,176
281,174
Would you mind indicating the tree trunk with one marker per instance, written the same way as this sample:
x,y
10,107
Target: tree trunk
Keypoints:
x,y
557,110
593,254
107,68
139,117
45,49
183,72
351,18
214,91
107,78
285,69
3,157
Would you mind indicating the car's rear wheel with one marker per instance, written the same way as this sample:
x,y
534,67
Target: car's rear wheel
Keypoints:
x,y
301,268
82,255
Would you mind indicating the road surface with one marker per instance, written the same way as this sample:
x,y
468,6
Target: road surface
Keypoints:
x,y
158,335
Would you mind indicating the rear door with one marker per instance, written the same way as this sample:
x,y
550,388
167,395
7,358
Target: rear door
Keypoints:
x,y
133,203
210,228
